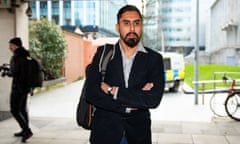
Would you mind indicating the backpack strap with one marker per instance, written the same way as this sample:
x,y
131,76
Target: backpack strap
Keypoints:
x,y
107,55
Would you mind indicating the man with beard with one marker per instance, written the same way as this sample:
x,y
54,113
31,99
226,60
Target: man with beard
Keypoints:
x,y
134,83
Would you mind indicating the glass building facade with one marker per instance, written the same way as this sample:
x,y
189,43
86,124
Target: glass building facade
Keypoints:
x,y
67,12
177,22
100,13
171,24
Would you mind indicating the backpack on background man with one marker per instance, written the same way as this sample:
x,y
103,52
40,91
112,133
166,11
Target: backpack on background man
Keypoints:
x,y
35,73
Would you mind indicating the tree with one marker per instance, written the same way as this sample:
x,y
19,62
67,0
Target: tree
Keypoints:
x,y
47,43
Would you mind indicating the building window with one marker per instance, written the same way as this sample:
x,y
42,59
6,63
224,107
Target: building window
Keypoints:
x,y
67,12
91,13
55,11
43,9
33,6
78,12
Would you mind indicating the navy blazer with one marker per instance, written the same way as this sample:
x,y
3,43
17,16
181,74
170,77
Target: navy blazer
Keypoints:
x,y
147,67
110,119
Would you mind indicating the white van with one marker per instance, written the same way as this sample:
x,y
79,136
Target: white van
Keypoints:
x,y
174,67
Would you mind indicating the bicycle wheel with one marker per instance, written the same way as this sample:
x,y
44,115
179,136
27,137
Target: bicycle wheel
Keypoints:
x,y
232,106
217,105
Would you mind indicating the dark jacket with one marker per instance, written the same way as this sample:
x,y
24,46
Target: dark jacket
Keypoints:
x,y
18,70
110,118
147,67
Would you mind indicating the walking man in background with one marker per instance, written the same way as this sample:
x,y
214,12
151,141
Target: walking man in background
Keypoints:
x,y
134,83
20,88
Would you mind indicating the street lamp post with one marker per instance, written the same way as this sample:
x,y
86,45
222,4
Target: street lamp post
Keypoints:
x,y
196,54
162,38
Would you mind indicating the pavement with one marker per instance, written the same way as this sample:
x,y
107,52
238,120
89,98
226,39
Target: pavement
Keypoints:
x,y
176,121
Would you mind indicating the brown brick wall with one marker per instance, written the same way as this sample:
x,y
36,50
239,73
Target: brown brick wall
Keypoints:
x,y
79,54
74,58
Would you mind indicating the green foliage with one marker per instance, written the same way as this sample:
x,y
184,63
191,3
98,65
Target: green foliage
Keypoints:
x,y
206,72
47,43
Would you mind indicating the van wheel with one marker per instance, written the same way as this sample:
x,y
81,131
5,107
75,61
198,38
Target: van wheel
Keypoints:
x,y
175,87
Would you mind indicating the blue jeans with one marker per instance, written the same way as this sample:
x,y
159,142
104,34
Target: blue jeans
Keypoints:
x,y
124,140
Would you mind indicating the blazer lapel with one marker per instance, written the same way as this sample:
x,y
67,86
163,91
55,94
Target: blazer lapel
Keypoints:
x,y
116,66
139,66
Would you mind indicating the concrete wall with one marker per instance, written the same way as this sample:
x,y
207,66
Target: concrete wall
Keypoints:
x,y
224,31
217,18
226,56
12,24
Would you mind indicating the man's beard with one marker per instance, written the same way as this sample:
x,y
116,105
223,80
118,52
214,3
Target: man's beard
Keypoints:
x,y
131,42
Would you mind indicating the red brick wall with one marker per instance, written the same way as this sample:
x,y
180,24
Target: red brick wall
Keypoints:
x,y
74,62
89,51
90,48
80,53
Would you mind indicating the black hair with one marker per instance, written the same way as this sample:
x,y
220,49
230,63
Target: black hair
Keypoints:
x,y
16,41
127,8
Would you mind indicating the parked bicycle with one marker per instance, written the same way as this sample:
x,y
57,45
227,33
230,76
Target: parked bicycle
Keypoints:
x,y
226,105
217,104
232,102
217,101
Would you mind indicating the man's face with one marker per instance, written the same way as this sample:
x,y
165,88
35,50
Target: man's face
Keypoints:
x,y
12,47
130,28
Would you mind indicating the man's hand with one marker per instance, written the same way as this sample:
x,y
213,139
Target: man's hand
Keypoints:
x,y
148,86
104,87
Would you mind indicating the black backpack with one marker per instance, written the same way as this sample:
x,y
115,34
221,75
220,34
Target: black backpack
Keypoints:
x,y
85,110
35,73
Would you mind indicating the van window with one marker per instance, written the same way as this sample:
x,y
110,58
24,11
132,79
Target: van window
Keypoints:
x,y
167,63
